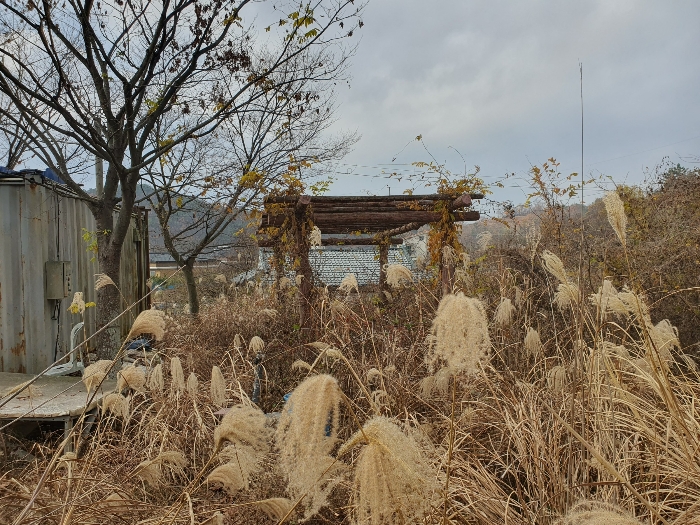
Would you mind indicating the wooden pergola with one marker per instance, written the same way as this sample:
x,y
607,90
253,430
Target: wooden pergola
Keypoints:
x,y
382,217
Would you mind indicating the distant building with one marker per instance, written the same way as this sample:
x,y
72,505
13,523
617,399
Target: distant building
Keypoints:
x,y
331,263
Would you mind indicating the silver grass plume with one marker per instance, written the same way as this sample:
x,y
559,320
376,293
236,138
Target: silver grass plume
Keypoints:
x,y
102,280
349,283
532,343
94,374
256,345
615,209
315,237
459,335
155,379
132,377
192,384
393,479
217,387
597,513
504,313
149,322
177,382
306,434
116,404
396,274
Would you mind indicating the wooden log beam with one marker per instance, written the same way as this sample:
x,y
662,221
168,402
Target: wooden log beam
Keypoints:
x,y
462,201
292,199
392,219
339,241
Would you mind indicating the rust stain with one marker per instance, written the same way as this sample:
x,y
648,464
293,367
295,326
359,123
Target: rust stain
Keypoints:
x,y
22,369
21,347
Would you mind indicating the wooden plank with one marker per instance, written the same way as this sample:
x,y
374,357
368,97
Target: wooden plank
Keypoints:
x,y
52,401
339,241
387,220
292,199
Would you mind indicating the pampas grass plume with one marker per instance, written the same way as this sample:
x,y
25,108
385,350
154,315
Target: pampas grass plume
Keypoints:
x,y
396,274
275,508
192,384
177,382
459,334
615,209
94,374
155,379
532,343
238,342
149,322
597,513
103,280
256,345
229,476
504,313
217,388
553,265
116,404
243,426
132,377
393,480
349,283
315,237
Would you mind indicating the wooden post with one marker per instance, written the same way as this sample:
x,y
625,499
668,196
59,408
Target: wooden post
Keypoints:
x,y
447,277
301,241
383,261
278,265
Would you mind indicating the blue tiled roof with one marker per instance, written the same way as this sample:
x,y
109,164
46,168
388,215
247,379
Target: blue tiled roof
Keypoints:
x,y
331,263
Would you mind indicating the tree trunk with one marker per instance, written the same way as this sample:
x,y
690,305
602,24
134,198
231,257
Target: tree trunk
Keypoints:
x,y
108,297
192,297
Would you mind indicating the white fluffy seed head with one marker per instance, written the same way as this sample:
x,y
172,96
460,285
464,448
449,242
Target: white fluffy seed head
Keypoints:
x,y
256,345
597,513
396,274
103,280
155,379
553,265
607,300
315,237
132,377
192,384
567,294
177,383
149,322
116,404
217,387
615,209
95,373
459,335
348,284
504,313
393,478
532,343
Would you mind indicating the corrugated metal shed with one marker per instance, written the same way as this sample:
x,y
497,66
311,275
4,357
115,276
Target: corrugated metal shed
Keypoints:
x,y
43,221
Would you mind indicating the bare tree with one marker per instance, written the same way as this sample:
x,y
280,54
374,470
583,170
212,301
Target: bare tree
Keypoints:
x,y
214,182
100,76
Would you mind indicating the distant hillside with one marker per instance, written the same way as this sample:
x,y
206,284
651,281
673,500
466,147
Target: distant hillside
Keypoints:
x,y
180,221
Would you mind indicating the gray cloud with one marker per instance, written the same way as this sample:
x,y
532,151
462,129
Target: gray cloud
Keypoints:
x,y
499,81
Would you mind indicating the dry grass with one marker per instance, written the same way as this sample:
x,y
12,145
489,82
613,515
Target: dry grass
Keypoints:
x,y
561,411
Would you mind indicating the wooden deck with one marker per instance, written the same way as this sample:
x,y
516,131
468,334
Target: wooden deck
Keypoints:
x,y
57,397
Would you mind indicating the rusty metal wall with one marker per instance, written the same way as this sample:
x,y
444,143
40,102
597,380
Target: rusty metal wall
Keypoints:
x,y
39,224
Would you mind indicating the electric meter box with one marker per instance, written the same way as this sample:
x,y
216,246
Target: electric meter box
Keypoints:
x,y
58,280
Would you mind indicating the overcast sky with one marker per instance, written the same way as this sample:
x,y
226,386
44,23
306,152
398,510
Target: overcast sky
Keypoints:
x,y
499,81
